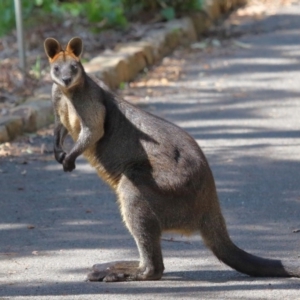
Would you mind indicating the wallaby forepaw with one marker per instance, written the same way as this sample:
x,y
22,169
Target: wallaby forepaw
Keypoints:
x,y
68,165
60,156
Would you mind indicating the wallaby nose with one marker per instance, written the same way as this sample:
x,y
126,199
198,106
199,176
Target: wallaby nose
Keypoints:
x,y
66,80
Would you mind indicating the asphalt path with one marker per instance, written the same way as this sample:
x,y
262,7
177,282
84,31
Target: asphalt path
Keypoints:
x,y
241,102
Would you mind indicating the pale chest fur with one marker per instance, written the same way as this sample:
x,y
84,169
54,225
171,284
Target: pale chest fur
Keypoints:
x,y
72,121
69,117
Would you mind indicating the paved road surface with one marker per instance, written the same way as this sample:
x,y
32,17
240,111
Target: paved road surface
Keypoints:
x,y
242,104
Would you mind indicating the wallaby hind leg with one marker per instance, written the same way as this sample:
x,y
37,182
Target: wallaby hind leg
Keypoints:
x,y
145,228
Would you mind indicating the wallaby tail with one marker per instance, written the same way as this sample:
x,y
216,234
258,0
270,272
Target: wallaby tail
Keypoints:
x,y
215,235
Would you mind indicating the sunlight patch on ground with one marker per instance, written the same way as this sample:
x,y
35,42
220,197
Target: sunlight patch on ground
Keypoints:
x,y
10,226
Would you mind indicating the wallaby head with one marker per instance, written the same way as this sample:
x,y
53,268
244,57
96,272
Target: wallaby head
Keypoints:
x,y
66,69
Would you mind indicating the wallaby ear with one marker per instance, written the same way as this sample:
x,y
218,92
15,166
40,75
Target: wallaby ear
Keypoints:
x,y
52,47
75,46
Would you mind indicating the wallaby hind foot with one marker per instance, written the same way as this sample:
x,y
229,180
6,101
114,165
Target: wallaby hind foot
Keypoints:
x,y
121,271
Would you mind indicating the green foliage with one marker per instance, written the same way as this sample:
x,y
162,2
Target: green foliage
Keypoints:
x,y
168,9
168,13
93,10
122,85
181,5
7,19
108,12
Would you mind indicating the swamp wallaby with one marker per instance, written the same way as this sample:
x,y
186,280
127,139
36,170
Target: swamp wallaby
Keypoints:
x,y
161,177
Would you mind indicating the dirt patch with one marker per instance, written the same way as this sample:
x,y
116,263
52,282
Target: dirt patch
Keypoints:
x,y
29,145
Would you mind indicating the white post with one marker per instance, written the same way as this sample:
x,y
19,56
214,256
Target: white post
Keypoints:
x,y
20,35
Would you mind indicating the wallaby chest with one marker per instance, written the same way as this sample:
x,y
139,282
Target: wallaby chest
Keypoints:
x,y
69,116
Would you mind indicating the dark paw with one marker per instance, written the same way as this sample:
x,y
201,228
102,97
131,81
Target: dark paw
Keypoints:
x,y
68,164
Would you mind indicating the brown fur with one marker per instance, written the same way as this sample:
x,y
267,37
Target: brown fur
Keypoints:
x,y
160,175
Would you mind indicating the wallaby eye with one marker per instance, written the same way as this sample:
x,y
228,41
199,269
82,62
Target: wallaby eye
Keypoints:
x,y
56,68
74,68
